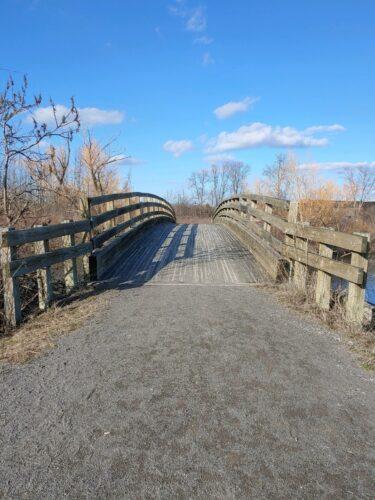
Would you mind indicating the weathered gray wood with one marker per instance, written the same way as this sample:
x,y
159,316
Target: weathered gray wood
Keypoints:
x,y
98,200
44,277
270,260
70,265
40,233
355,305
293,218
323,281
353,242
110,207
86,212
268,210
12,299
20,267
106,257
133,209
274,220
348,272
300,268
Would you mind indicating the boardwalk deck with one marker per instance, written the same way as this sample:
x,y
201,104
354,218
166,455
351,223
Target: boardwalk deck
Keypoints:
x,y
187,254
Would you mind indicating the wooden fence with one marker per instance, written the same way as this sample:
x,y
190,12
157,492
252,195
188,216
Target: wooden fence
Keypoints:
x,y
269,227
110,221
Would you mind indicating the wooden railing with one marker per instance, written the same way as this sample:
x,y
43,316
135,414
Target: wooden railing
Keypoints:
x,y
269,227
102,236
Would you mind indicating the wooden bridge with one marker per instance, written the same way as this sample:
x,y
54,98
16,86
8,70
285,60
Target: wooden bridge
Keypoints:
x,y
134,236
188,380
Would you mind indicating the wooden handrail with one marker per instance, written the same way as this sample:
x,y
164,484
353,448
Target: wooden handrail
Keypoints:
x,y
295,247
103,245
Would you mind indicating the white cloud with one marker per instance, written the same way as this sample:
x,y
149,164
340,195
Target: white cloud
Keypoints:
x,y
337,165
128,160
207,59
233,107
177,148
324,128
260,134
196,20
215,159
87,116
204,40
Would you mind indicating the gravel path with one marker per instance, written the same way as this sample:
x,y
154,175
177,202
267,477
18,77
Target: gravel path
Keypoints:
x,y
189,391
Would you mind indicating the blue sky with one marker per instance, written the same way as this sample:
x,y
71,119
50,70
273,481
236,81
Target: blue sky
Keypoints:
x,y
281,75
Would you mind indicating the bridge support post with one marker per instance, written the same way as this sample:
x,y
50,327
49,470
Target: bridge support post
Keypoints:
x,y
355,305
44,276
12,299
323,281
70,265
268,210
292,217
110,205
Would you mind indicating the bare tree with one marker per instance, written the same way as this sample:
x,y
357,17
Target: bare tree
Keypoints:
x,y
198,183
236,172
279,176
98,161
21,135
219,183
360,185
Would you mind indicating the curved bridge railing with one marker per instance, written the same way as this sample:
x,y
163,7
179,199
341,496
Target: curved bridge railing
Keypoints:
x,y
270,229
84,249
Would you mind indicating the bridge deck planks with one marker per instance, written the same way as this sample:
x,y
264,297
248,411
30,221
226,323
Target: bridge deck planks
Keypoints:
x,y
187,254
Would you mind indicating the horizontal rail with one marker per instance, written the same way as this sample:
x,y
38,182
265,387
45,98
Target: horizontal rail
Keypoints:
x,y
100,239
116,212
291,240
99,200
22,236
143,208
20,267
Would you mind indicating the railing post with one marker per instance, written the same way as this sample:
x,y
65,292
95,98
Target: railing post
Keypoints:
x,y
268,210
70,265
44,276
86,213
292,218
12,299
323,281
355,304
252,204
110,205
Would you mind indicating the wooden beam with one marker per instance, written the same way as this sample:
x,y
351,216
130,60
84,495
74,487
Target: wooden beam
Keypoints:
x,y
268,210
40,233
70,265
12,299
44,277
323,281
355,305
348,272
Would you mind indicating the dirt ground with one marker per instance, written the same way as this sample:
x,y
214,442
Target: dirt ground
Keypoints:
x,y
174,391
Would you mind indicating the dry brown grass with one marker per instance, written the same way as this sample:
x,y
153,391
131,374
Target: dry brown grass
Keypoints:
x,y
360,340
41,332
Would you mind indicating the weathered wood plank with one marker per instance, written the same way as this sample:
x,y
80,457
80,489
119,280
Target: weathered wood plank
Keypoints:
x,y
70,265
44,278
355,305
20,267
98,200
40,233
337,239
274,220
12,299
323,281
133,207
346,271
268,210
268,200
